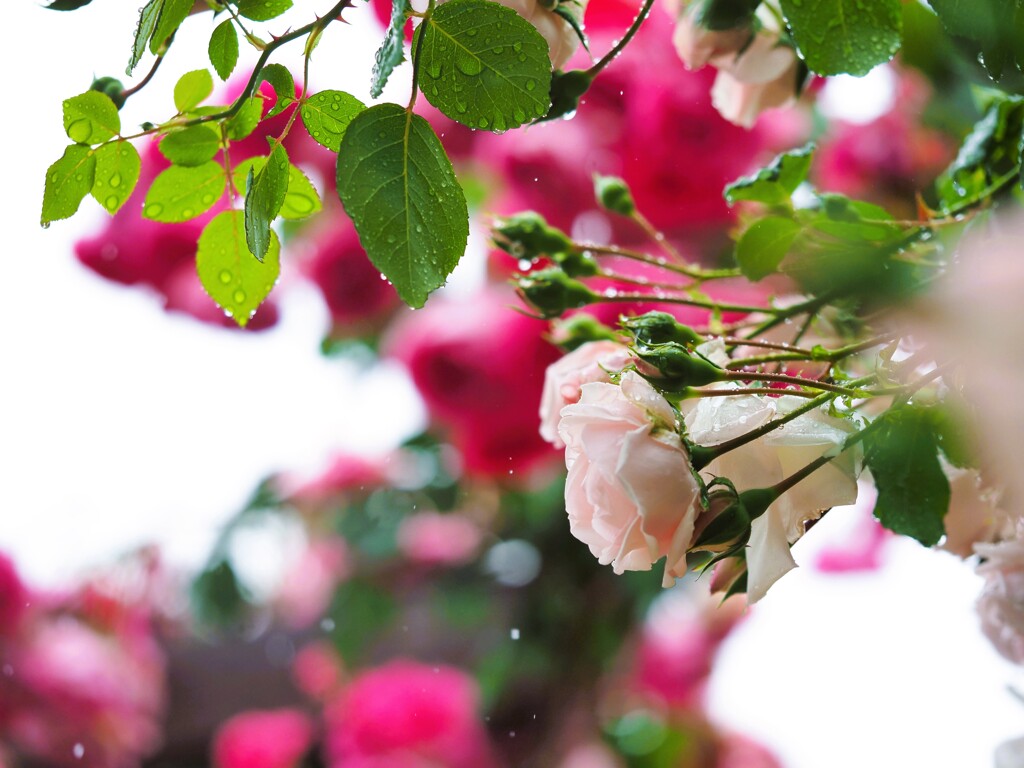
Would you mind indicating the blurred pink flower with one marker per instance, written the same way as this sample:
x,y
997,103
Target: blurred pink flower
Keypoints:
x,y
407,715
762,76
737,751
275,738
317,670
356,295
307,588
346,473
630,493
432,538
697,45
479,366
863,547
14,596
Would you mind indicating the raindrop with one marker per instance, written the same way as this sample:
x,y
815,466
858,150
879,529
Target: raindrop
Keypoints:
x,y
531,84
111,203
115,180
80,130
225,276
239,297
468,65
514,633
327,625
153,210
78,751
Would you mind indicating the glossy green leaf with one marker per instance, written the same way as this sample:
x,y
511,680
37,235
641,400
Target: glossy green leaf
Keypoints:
x,y
302,199
845,36
263,10
180,193
392,50
484,65
192,146
148,17
230,272
191,89
283,84
327,114
398,186
764,245
913,493
223,49
68,181
245,120
91,118
117,172
265,192
172,13
775,183
67,5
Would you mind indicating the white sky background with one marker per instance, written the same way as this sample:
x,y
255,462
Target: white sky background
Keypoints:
x,y
121,425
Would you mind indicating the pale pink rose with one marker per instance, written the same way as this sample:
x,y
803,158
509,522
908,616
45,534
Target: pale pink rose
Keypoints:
x,y
697,45
275,738
561,38
762,76
1001,603
407,715
738,751
770,459
974,515
630,492
309,585
432,538
564,378
318,670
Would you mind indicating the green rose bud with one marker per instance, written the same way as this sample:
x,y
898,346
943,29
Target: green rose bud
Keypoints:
x,y
552,292
613,194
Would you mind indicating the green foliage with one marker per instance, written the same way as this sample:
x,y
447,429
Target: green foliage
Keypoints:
x,y
181,193
230,272
775,183
67,5
996,26
91,118
262,10
567,88
172,13
148,16
223,49
764,244
326,116
264,196
283,84
901,450
191,146
391,51
725,14
244,121
660,327
68,181
485,65
527,235
117,172
398,186
217,597
360,611
845,36
552,292
191,89
301,199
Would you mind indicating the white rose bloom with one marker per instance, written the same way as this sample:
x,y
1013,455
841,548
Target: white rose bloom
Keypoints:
x,y
770,459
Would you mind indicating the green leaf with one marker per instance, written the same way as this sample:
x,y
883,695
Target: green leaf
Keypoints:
x,y
230,272
91,118
191,89
845,36
283,84
263,10
775,183
327,114
223,49
725,14
68,181
391,51
265,192
192,146
67,5
485,65
901,450
398,186
245,120
180,194
117,172
302,199
143,32
953,436
762,247
172,13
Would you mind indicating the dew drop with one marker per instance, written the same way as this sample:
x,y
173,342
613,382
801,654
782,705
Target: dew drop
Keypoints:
x,y
79,751
187,213
468,65
519,115
483,122
517,46
239,297
300,203
80,130
153,210
111,203
225,276
115,180
434,70
531,84
499,50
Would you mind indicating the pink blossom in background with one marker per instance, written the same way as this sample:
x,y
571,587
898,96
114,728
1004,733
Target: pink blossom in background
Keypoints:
x,y
183,292
407,715
275,738
357,297
318,670
479,366
308,586
432,538
737,751
15,598
345,473
863,548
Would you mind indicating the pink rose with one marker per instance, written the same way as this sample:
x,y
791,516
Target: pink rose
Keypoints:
x,y
564,378
762,76
630,493
275,738
432,538
407,715
356,295
317,670
697,45
479,366
974,515
862,548
346,473
737,751
1001,603
308,587
561,38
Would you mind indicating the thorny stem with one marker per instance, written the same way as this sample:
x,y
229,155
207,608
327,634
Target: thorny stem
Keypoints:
x,y
617,49
797,353
621,296
145,81
683,269
657,236
786,379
